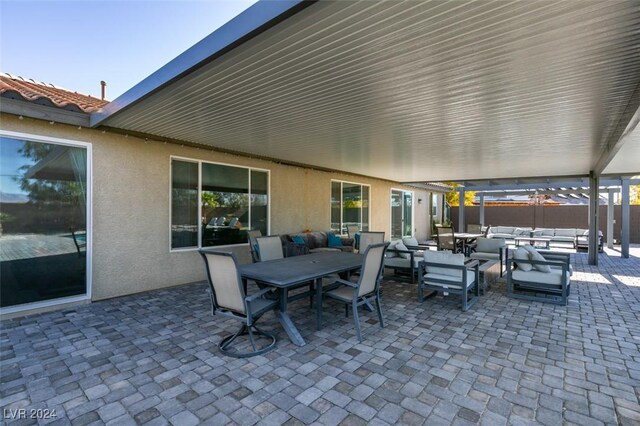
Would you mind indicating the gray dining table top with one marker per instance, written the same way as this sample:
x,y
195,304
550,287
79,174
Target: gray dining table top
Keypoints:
x,y
297,269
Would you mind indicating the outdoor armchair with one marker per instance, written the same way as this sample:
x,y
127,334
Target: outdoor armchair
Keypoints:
x,y
367,289
228,298
490,249
448,273
539,276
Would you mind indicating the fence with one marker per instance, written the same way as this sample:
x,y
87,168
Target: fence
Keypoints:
x,y
551,217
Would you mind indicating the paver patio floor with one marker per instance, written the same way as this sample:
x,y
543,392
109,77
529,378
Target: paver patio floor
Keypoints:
x,y
152,358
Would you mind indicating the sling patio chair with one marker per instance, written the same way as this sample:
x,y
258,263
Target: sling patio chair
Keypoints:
x,y
228,298
367,289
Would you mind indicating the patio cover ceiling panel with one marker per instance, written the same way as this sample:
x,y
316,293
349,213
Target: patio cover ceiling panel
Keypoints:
x,y
414,91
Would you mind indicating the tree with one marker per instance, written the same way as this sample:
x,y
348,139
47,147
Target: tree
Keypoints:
x,y
634,195
453,196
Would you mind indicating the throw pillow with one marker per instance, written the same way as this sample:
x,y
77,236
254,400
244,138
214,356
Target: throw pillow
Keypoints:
x,y
401,246
333,240
537,256
298,239
389,254
522,254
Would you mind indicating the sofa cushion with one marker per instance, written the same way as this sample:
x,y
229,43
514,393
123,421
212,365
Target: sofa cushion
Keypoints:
x,y
298,239
400,246
447,258
489,245
333,240
522,254
561,232
553,278
534,255
455,281
547,232
522,232
505,230
390,254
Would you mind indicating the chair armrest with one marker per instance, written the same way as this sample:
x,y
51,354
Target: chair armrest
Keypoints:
x,y
418,247
259,294
444,265
347,283
472,264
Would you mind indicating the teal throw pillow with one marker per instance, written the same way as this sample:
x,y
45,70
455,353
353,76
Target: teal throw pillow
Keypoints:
x,y
298,239
333,240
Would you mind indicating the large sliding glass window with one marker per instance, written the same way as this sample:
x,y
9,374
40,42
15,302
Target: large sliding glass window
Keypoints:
x,y
217,202
43,221
349,206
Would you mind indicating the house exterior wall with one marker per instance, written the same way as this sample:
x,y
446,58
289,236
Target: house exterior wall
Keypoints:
x,y
131,206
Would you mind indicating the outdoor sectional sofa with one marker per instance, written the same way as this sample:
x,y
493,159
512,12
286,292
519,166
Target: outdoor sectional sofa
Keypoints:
x,y
317,241
573,236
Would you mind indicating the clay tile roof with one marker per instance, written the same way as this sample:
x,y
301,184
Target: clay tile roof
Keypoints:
x,y
16,87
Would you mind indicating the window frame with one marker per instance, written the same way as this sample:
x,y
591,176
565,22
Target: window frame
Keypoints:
x,y
413,211
200,163
89,221
341,182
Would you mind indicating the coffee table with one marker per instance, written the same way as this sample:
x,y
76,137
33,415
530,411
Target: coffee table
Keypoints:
x,y
534,241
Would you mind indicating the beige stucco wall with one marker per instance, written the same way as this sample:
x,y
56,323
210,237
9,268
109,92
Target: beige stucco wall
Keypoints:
x,y
131,199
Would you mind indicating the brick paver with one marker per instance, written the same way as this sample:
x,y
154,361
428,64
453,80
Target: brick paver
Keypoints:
x,y
152,358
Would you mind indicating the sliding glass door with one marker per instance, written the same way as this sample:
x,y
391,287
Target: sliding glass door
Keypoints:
x,y
401,214
43,221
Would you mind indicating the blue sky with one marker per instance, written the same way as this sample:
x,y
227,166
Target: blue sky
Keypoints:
x,y
76,43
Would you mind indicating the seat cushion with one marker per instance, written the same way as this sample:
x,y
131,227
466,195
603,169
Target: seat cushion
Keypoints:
x,y
455,281
321,249
447,258
554,277
485,256
344,293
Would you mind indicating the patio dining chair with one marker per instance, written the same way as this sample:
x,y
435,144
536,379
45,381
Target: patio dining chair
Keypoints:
x,y
270,248
228,298
447,240
253,244
368,238
367,289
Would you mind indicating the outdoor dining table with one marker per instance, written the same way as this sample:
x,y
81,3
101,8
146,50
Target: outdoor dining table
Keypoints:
x,y
466,238
290,272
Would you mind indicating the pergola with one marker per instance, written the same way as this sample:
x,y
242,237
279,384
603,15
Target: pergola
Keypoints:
x,y
605,184
411,91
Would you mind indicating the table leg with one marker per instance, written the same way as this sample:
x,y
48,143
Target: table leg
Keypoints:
x,y
285,320
318,303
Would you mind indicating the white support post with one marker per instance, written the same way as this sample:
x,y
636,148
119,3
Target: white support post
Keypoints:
x,y
610,218
594,183
481,209
461,209
624,231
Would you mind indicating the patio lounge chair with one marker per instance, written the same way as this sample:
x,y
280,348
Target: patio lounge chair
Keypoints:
x,y
228,299
447,273
367,289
